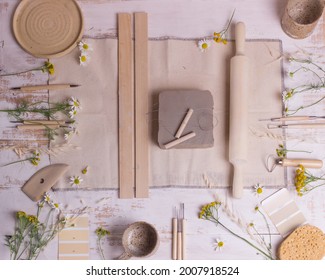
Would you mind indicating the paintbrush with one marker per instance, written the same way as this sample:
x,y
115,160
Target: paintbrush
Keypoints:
x,y
45,87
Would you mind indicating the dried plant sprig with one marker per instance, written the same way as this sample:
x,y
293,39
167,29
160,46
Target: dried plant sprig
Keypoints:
x,y
34,159
31,235
45,109
304,178
220,37
48,67
308,66
210,212
101,233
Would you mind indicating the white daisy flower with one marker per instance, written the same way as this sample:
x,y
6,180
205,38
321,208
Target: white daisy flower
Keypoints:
x,y
56,206
84,59
75,181
258,189
74,103
84,47
218,245
72,113
204,45
47,198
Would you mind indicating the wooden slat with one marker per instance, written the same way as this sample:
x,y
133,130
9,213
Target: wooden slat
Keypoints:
x,y
126,107
141,105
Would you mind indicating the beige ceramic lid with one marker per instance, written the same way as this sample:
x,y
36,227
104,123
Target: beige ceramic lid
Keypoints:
x,y
48,28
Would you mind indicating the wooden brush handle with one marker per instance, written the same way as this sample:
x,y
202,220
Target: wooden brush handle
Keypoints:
x,y
179,246
308,163
44,87
44,122
174,245
183,239
37,126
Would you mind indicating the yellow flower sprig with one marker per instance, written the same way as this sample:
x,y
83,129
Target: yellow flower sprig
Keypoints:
x,y
210,212
281,151
101,233
220,37
34,159
303,178
48,67
31,235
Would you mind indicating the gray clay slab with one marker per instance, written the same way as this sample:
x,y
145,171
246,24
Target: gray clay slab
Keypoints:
x,y
173,106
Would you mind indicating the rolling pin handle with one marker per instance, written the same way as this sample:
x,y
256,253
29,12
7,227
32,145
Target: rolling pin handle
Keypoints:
x,y
237,184
240,34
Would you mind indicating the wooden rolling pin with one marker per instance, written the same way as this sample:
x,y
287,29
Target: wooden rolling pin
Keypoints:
x,y
238,119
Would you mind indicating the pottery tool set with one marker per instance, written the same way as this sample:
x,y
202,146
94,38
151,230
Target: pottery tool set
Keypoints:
x,y
133,106
238,120
179,234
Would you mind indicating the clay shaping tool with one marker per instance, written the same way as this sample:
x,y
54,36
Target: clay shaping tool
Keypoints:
x,y
174,235
294,118
184,123
238,120
141,105
297,125
125,107
286,162
183,221
179,237
180,140
45,87
44,122
43,180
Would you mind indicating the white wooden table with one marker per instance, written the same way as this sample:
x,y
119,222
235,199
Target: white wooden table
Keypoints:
x,y
179,18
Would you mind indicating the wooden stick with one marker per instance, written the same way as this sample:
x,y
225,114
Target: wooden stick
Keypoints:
x,y
180,140
141,106
45,87
126,107
44,122
174,235
184,123
37,126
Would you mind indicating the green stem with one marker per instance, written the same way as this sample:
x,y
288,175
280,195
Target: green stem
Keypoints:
x,y
23,72
245,240
100,249
304,107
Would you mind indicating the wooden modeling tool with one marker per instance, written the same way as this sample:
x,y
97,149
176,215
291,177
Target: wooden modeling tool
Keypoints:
x,y
272,163
141,106
238,120
43,180
294,118
174,235
283,212
179,140
37,126
45,87
126,107
184,123
297,125
178,234
44,122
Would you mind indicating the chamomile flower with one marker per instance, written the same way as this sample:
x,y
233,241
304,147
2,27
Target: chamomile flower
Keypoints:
x,y
84,58
75,181
84,47
204,45
74,103
218,245
258,189
72,113
55,206
47,198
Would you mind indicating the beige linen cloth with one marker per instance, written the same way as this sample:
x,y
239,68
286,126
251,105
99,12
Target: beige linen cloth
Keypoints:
x,y
173,64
